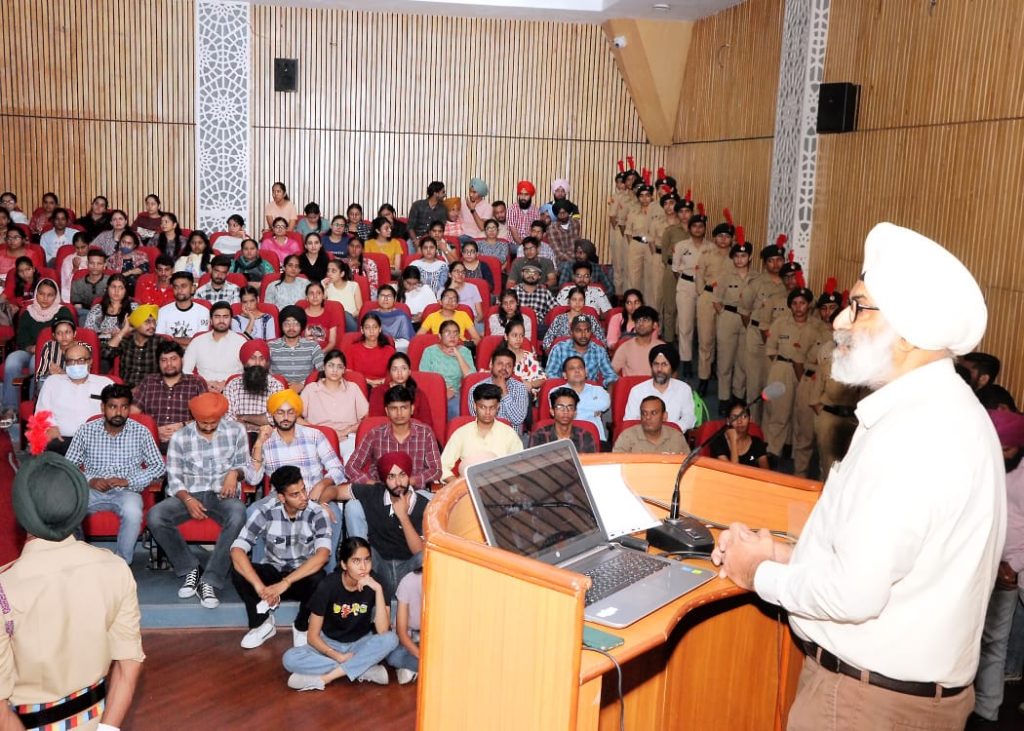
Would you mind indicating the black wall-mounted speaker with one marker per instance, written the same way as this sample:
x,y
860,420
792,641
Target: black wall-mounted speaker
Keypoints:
x,y
286,74
837,107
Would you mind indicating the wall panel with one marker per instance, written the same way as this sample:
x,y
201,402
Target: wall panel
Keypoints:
x,y
97,98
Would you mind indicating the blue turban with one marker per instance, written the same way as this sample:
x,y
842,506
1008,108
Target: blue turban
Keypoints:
x,y
479,186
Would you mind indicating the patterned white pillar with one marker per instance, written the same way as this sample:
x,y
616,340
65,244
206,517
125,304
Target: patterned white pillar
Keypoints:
x,y
795,155
222,112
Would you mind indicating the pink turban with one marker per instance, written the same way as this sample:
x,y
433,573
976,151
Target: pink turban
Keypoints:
x,y
1009,427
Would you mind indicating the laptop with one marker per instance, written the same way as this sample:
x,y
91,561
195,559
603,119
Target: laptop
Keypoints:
x,y
537,503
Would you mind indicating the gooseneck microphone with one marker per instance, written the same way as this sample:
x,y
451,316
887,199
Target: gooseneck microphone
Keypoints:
x,y
686,534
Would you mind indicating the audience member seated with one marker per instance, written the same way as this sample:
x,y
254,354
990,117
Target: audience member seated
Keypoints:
x,y
406,657
280,206
61,234
452,360
631,357
527,369
594,296
467,294
147,223
564,402
372,350
593,353
292,356
983,369
119,459
450,312
280,243
182,319
428,210
51,359
362,266
214,354
250,264
312,221
651,436
396,323
382,242
355,226
15,249
219,289
539,231
515,399
482,439
84,291
289,288
313,259
594,400
393,520
110,238
335,241
563,232
322,324
737,444
339,287
196,257
676,395
247,395
136,345
230,242
414,294
561,326
400,374
476,269
109,315
97,219
445,251
622,324
20,287
205,461
349,626
509,309
491,244
41,314
530,257
159,290
533,294
453,225
399,230
252,322
584,250
165,395
433,269
72,397
128,260
333,402
296,534
75,262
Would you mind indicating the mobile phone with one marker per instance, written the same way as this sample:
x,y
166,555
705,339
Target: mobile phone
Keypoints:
x,y
599,640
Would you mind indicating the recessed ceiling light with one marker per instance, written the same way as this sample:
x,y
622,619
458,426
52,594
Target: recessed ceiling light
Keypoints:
x,y
662,6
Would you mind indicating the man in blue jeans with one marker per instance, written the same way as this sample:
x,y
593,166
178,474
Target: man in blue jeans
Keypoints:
x,y
120,459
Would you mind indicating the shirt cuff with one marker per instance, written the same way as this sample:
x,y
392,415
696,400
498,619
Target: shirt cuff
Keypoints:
x,y
769,580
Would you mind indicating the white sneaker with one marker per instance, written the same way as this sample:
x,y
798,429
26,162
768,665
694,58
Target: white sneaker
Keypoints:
x,y
298,637
207,597
297,681
258,635
405,675
375,674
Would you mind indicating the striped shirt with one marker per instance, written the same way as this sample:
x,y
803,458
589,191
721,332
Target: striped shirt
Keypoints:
x,y
227,293
595,357
420,445
244,403
514,406
309,451
131,453
198,464
296,362
289,541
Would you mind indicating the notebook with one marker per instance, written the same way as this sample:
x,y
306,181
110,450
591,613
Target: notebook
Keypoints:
x,y
538,503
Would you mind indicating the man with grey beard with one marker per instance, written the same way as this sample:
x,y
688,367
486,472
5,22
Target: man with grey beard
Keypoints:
x,y
247,395
887,587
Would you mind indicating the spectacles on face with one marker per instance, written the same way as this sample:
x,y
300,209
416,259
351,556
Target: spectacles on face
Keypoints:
x,y
856,307
77,361
564,407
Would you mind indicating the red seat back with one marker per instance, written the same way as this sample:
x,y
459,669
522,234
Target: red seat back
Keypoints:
x,y
467,385
620,395
416,347
434,389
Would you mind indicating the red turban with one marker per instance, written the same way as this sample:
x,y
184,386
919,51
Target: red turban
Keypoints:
x,y
525,187
389,460
208,406
253,346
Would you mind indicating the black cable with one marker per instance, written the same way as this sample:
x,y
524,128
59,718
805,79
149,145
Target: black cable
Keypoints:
x,y
618,670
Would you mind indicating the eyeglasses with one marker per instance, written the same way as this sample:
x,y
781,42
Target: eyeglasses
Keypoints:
x,y
564,407
78,361
856,307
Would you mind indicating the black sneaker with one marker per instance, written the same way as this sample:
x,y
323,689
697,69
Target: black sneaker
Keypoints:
x,y
188,589
207,597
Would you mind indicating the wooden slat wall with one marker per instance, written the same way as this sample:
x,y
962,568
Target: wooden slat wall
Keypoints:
x,y
97,97
939,147
387,103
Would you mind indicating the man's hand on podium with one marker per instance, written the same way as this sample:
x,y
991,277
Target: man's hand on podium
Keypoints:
x,y
740,551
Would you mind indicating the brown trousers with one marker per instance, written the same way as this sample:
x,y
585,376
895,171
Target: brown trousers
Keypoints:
x,y
827,701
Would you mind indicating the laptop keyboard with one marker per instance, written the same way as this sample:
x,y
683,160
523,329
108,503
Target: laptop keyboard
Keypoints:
x,y
627,567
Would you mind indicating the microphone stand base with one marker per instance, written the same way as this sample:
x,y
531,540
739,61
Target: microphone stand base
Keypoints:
x,y
683,534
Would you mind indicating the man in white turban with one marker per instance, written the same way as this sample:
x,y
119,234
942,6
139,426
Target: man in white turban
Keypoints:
x,y
887,586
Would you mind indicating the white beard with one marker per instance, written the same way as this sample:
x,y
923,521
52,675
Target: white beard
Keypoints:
x,y
863,359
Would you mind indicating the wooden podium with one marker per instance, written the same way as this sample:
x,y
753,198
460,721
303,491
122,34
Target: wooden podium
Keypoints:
x,y
501,643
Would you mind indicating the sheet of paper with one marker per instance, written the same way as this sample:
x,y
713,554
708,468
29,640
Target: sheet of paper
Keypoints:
x,y
621,511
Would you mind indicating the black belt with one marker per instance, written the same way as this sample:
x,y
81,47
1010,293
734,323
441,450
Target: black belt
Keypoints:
x,y
69,708
731,308
657,250
847,412
784,359
687,277
755,323
639,239
809,372
908,687
708,288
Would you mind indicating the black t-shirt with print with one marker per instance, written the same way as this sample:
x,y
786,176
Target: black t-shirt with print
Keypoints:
x,y
348,615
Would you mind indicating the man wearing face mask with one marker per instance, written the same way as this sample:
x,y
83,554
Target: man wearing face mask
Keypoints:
x,y
521,215
887,587
72,396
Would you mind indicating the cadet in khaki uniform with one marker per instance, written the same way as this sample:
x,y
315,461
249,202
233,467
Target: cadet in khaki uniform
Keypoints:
x,y
72,650
788,342
673,234
654,268
713,263
684,264
641,225
807,396
729,336
619,204
753,309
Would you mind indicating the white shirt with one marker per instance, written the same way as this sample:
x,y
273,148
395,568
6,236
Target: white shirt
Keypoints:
x,y
678,398
896,563
182,323
595,298
51,241
418,299
71,403
215,360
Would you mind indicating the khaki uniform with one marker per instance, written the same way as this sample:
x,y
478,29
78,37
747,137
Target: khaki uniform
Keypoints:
x,y
672,234
641,223
619,204
75,610
807,395
654,269
834,423
754,305
684,264
730,335
710,266
786,348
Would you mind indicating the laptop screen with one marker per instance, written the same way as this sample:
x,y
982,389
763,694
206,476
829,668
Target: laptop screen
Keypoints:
x,y
535,504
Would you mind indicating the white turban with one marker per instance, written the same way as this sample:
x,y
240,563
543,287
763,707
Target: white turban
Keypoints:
x,y
927,295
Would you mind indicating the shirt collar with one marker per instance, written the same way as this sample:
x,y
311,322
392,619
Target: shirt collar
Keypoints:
x,y
38,545
391,508
920,384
